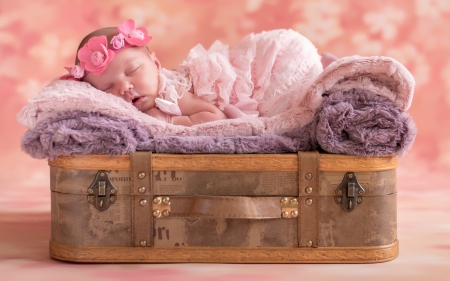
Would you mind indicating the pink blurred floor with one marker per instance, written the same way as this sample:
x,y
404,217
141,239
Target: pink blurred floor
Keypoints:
x,y
423,231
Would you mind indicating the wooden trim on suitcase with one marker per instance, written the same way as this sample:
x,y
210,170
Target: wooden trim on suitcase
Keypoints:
x,y
86,254
227,163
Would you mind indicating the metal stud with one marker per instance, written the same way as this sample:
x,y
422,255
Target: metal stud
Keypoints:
x,y
284,200
141,189
141,175
294,201
308,190
339,192
143,243
339,199
359,200
360,192
308,176
90,191
166,213
156,213
309,201
284,214
112,199
102,174
350,175
157,200
143,202
294,214
166,200
113,191
309,243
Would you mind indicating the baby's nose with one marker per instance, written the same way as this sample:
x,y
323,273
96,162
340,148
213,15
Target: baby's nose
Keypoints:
x,y
125,88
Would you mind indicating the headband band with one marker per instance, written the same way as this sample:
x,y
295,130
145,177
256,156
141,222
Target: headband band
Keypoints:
x,y
96,54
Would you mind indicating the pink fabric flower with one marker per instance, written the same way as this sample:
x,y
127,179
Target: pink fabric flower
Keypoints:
x,y
134,36
95,55
137,34
118,41
69,77
76,71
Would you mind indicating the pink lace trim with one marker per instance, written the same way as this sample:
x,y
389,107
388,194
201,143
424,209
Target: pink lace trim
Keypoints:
x,y
173,84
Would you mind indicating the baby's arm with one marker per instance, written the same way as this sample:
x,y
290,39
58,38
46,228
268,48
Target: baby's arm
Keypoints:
x,y
195,111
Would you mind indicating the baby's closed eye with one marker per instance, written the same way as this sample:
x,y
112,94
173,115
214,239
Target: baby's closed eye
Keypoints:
x,y
106,88
132,71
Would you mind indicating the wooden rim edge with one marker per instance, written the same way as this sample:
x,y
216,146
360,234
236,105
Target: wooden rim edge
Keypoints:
x,y
91,254
227,163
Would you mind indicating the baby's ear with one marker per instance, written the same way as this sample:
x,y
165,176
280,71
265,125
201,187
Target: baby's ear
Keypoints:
x,y
155,60
153,57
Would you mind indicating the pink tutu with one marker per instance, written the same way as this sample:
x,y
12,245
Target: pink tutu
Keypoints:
x,y
264,72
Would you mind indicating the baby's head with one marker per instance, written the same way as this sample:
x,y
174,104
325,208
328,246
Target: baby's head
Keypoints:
x,y
117,61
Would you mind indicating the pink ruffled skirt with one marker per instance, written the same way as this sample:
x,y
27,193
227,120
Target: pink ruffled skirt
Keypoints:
x,y
264,72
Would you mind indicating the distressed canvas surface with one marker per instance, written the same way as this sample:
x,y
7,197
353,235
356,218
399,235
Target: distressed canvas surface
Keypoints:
x,y
77,222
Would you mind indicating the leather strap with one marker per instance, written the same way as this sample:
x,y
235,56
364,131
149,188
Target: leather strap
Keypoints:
x,y
308,200
141,197
238,207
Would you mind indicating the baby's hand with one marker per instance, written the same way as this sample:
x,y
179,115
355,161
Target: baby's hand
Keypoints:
x,y
158,114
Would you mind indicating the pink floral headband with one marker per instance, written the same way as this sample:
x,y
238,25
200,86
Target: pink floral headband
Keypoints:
x,y
95,55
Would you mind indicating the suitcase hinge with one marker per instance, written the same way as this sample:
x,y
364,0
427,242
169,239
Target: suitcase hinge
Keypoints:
x,y
102,193
350,192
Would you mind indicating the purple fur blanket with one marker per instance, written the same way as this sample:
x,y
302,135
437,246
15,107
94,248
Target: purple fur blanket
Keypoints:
x,y
354,122
77,132
358,122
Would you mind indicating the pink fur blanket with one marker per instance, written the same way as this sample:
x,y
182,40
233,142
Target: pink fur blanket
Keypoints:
x,y
381,75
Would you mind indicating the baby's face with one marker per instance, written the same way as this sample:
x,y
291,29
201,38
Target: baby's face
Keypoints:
x,y
131,75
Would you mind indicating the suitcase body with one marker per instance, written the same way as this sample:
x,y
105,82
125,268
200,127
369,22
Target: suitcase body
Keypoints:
x,y
250,208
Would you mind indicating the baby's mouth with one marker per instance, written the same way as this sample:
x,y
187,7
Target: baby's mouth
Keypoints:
x,y
136,101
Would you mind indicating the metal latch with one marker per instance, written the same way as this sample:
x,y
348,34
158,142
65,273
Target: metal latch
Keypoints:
x,y
102,193
350,192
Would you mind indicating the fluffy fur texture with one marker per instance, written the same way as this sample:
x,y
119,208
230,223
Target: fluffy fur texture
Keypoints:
x,y
77,132
355,122
381,75
358,122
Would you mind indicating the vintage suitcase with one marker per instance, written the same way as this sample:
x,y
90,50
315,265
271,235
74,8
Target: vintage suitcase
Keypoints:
x,y
251,208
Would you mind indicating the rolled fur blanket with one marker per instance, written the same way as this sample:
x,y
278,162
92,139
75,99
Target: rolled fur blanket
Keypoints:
x,y
359,122
78,132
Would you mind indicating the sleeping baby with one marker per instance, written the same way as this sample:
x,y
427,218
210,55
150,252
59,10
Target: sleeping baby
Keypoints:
x,y
255,78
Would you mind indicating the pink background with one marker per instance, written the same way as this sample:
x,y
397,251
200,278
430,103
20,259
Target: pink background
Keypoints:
x,y
39,37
